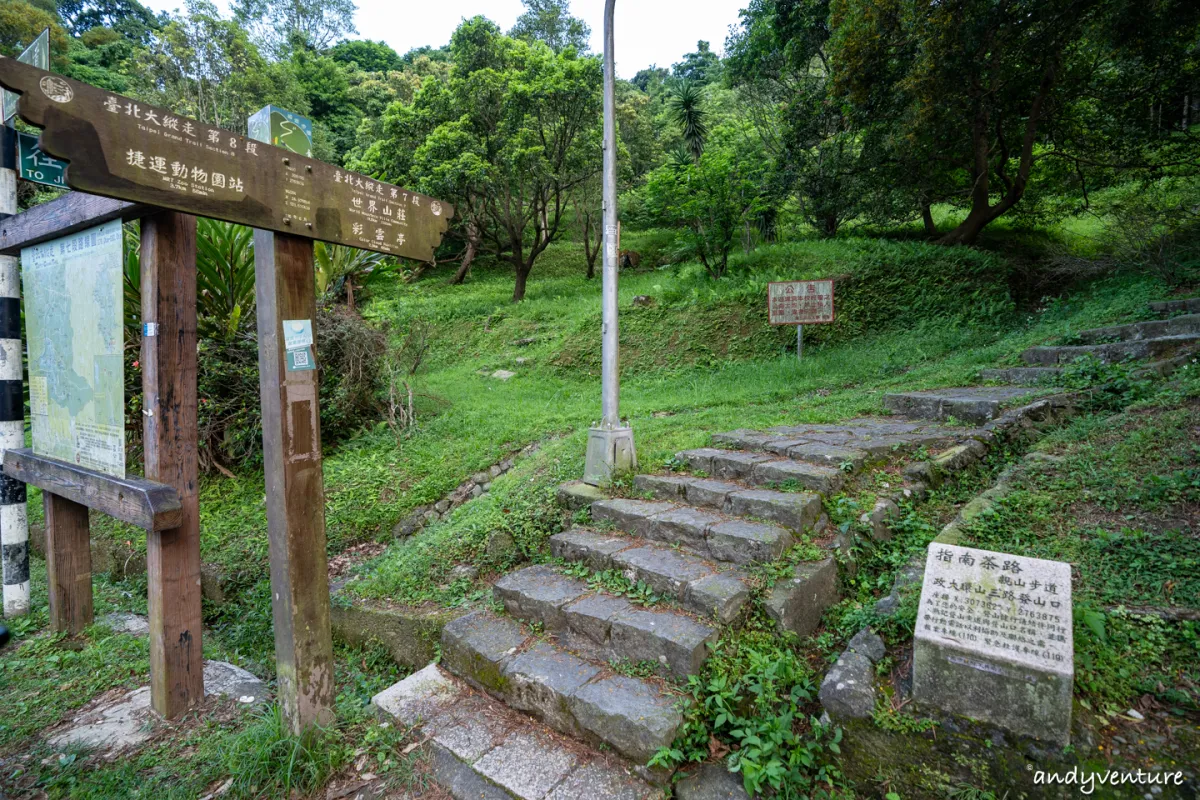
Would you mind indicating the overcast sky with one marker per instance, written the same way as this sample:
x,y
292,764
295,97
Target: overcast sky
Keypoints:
x,y
648,31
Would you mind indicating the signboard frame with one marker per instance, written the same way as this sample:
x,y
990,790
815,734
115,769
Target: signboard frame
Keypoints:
x,y
832,303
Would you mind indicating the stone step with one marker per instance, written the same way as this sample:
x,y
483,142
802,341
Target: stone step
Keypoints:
x,y
1153,329
698,585
977,404
1141,349
496,655
764,446
856,441
1023,376
798,511
708,534
606,627
481,749
765,469
1190,305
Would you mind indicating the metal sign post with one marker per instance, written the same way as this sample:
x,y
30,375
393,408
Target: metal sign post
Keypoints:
x,y
610,445
14,521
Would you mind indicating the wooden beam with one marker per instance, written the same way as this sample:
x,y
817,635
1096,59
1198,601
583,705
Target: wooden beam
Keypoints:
x,y
68,564
283,269
169,417
68,214
146,504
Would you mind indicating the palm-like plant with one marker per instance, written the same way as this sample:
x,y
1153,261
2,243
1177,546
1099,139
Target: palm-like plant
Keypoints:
x,y
224,276
340,269
685,105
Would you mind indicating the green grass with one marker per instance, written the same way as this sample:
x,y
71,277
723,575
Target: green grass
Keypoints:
x,y
702,359
44,678
1120,507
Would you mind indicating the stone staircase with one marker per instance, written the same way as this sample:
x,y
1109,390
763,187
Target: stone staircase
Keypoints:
x,y
546,688
1163,345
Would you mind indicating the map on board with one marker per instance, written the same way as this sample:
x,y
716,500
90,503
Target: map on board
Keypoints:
x,y
74,308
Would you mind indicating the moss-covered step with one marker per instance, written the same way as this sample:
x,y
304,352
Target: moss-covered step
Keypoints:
x,y
633,717
605,626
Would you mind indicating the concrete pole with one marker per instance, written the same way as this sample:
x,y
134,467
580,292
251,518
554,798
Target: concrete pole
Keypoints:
x,y
610,445
14,525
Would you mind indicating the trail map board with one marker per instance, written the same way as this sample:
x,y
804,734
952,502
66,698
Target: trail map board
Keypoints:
x,y
122,148
74,313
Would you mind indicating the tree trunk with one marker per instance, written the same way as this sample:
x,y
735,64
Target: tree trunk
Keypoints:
x,y
982,212
829,226
590,252
350,294
468,256
927,217
522,276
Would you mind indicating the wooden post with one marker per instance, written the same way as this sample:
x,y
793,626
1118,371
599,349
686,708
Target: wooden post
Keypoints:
x,y
68,564
286,292
169,415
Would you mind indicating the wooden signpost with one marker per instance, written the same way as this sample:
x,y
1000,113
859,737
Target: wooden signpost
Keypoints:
x,y
139,161
800,303
125,149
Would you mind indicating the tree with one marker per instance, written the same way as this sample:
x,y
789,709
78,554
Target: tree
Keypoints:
x,y
129,18
778,62
702,67
712,200
507,136
207,68
21,23
368,56
285,24
685,104
650,79
550,22
977,93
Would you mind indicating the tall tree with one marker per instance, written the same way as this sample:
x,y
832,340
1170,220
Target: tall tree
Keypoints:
x,y
702,66
285,24
686,105
976,93
778,61
550,21
129,18
508,136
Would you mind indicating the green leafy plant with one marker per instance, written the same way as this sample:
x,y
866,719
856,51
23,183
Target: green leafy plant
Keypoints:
x,y
340,269
757,698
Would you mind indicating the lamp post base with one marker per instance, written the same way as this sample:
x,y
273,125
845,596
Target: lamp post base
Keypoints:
x,y
609,450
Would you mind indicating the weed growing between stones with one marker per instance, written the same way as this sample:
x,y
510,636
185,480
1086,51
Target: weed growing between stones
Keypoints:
x,y
754,704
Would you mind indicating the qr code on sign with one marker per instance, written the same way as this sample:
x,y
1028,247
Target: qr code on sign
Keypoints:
x,y
301,358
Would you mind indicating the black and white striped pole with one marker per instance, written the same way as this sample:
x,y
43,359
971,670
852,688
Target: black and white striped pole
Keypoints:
x,y
14,523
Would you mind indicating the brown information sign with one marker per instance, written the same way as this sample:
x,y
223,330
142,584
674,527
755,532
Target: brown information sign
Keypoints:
x,y
122,148
800,302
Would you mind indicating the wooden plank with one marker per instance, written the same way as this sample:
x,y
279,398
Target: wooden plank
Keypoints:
x,y
283,268
68,564
71,213
126,149
169,389
146,504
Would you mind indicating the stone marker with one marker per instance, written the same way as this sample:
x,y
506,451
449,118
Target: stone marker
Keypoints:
x,y
994,640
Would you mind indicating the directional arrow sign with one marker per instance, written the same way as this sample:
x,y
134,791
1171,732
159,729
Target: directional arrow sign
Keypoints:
x,y
122,148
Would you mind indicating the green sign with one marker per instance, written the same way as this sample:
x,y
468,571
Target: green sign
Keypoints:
x,y
282,128
34,165
37,54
